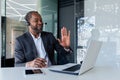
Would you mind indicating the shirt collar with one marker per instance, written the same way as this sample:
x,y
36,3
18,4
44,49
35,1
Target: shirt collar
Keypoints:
x,y
34,36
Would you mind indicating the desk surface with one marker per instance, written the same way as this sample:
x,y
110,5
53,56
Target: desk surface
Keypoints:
x,y
97,73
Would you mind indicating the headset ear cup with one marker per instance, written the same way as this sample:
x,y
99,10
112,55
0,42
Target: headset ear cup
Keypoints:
x,y
28,23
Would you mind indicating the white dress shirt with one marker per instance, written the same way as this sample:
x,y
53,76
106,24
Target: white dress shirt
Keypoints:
x,y
40,48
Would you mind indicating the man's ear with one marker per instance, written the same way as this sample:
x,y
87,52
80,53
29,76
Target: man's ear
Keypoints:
x,y
28,23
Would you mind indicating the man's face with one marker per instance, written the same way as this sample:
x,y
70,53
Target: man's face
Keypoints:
x,y
36,23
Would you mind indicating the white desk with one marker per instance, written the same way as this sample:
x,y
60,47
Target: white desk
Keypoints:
x,y
97,73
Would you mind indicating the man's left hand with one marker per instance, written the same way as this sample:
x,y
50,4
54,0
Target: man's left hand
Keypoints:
x,y
65,38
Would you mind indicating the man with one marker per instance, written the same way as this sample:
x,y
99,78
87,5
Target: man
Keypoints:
x,y
35,48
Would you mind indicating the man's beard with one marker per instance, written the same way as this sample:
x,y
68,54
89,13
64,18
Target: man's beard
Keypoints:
x,y
38,29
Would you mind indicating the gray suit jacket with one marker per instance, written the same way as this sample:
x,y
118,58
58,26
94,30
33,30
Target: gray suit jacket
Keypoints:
x,y
25,49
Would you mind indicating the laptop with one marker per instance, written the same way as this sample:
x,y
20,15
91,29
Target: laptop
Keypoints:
x,y
85,65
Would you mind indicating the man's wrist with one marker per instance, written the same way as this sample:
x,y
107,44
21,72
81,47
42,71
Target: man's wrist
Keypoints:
x,y
67,47
27,64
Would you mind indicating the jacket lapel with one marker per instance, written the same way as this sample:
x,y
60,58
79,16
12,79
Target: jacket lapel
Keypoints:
x,y
44,39
31,42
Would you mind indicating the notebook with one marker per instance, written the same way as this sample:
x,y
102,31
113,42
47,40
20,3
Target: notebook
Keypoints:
x,y
85,65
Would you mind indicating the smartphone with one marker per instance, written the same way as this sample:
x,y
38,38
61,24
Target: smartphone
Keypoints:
x,y
33,71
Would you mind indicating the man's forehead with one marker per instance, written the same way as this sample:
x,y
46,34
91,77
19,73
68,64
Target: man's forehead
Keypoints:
x,y
36,15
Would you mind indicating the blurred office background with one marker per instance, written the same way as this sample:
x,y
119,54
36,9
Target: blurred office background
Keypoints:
x,y
86,19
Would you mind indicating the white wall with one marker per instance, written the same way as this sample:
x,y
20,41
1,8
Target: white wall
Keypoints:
x,y
107,21
0,33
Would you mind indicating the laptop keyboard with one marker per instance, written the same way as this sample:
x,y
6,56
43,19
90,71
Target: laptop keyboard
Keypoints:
x,y
73,68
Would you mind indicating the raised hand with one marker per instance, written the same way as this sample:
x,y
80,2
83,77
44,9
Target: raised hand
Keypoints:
x,y
65,38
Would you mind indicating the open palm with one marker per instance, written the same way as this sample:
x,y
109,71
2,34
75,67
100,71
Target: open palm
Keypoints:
x,y
65,38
